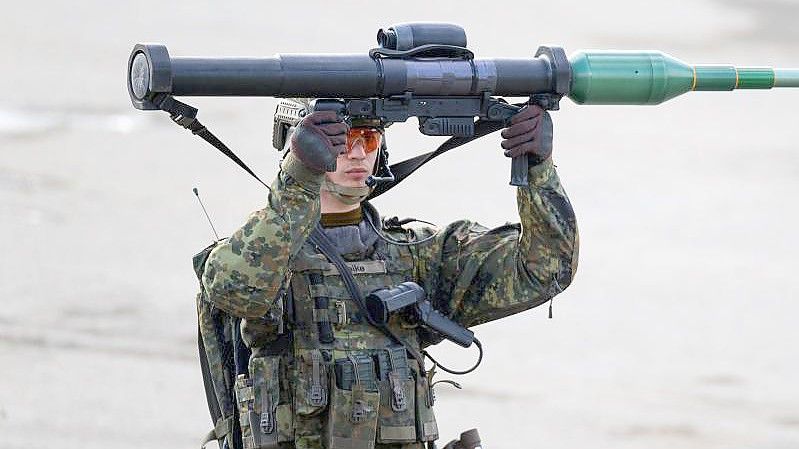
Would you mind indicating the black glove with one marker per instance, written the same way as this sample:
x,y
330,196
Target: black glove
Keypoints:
x,y
529,132
318,140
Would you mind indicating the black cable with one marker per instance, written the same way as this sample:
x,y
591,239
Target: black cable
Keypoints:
x,y
443,368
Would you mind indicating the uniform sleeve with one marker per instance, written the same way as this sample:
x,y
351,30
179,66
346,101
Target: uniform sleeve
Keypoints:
x,y
245,273
476,275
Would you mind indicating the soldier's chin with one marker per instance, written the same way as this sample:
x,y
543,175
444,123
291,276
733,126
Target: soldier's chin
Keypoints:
x,y
356,179
347,181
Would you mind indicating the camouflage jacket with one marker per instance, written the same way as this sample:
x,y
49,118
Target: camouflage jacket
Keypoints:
x,y
472,274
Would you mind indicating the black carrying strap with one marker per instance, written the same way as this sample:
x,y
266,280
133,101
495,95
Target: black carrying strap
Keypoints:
x,y
403,169
186,116
222,424
327,248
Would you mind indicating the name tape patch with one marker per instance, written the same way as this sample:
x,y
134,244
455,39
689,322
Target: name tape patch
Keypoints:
x,y
364,267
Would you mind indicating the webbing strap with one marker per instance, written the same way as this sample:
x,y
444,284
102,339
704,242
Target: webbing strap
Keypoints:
x,y
403,169
222,428
223,424
327,248
186,116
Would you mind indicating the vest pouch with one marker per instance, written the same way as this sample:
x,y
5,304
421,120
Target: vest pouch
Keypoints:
x,y
426,426
244,405
397,423
353,413
264,421
311,386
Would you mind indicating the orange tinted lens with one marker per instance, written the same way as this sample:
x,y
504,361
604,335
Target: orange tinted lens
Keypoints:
x,y
369,138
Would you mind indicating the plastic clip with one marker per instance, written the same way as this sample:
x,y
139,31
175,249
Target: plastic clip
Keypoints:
x,y
341,313
317,396
399,403
360,411
399,372
267,419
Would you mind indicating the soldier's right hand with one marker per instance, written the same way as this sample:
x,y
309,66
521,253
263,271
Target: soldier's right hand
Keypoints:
x,y
318,140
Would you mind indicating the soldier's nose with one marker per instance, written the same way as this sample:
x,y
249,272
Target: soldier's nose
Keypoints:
x,y
357,150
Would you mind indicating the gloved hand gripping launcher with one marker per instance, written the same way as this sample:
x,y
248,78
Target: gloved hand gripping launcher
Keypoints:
x,y
424,70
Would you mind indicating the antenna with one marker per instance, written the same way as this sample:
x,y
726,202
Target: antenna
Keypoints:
x,y
197,194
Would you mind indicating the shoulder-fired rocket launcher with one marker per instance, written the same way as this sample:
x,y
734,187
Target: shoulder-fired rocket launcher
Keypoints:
x,y
424,70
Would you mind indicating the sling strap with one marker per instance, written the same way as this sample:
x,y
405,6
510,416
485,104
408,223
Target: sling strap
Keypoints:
x,y
222,428
186,116
404,168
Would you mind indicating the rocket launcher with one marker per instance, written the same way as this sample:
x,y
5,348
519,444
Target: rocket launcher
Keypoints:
x,y
425,70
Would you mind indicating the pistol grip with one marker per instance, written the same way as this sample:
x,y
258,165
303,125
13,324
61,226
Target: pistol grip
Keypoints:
x,y
518,171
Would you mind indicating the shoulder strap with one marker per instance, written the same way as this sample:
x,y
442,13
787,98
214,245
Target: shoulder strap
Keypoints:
x,y
186,116
403,169
216,364
327,248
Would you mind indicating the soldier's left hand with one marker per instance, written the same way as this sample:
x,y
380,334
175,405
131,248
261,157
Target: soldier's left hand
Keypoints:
x,y
530,133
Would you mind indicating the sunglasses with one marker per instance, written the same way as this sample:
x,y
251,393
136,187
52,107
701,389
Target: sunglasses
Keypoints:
x,y
369,138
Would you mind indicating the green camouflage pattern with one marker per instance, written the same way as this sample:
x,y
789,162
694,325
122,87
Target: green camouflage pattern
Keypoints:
x,y
476,275
245,273
215,329
352,335
472,274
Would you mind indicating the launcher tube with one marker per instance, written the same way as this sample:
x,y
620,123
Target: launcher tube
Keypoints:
x,y
152,71
588,77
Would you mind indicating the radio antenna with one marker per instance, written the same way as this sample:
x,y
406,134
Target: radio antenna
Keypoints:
x,y
197,194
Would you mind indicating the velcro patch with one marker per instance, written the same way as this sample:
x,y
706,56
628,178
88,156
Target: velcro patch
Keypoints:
x,y
363,267
430,429
398,433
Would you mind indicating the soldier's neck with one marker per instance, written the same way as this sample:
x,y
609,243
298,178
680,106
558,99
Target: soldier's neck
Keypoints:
x,y
332,205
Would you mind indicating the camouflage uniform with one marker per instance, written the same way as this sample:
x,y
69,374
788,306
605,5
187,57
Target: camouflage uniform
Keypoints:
x,y
264,274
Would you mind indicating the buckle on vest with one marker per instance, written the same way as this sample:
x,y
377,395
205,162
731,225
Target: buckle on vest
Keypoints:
x,y
360,411
399,373
317,395
363,376
267,422
399,402
341,313
425,382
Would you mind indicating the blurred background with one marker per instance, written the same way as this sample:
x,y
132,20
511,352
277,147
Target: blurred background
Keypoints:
x,y
678,331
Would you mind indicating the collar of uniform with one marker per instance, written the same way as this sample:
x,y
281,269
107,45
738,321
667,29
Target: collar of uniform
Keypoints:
x,y
336,219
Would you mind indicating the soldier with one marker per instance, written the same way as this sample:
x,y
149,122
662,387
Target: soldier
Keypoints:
x,y
321,375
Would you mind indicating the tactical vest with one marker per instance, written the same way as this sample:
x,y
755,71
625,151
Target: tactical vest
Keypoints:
x,y
350,391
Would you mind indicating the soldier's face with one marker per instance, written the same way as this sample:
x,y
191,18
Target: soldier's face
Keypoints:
x,y
354,166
